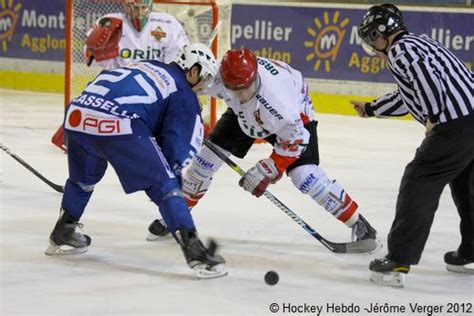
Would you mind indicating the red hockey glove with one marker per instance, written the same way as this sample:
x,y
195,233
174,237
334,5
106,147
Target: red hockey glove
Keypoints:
x,y
257,178
102,43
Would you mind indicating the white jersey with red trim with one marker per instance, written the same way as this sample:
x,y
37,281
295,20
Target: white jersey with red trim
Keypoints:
x,y
160,39
279,107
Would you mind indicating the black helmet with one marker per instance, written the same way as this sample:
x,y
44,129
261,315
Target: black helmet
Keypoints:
x,y
393,8
380,21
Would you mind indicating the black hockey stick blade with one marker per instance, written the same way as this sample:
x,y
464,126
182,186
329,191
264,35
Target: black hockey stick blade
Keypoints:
x,y
332,246
55,187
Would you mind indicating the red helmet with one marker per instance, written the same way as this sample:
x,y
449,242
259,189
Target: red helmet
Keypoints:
x,y
238,69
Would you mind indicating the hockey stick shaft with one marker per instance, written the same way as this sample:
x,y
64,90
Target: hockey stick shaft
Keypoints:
x,y
56,187
332,246
213,34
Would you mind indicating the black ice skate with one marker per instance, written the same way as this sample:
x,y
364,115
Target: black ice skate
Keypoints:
x,y
456,263
388,272
364,237
65,239
158,231
204,261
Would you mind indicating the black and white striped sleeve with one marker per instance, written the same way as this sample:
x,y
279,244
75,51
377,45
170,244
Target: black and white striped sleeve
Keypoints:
x,y
388,105
426,85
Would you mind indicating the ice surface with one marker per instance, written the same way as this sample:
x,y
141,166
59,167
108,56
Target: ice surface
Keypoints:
x,y
124,274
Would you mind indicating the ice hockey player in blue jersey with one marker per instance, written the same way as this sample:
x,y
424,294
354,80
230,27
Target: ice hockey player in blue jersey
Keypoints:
x,y
145,121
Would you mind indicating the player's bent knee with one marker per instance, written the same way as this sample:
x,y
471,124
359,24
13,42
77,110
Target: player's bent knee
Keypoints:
x,y
157,193
311,180
86,187
79,186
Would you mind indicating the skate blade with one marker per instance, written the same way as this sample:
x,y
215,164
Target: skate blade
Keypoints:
x,y
54,250
378,246
394,279
362,246
153,237
466,269
203,271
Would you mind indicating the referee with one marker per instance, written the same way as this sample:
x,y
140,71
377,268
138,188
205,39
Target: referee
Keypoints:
x,y
436,88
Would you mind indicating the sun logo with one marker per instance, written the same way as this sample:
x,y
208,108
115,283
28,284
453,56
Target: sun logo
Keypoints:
x,y
8,18
327,39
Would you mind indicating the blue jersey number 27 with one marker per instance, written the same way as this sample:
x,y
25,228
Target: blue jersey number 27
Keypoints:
x,y
101,86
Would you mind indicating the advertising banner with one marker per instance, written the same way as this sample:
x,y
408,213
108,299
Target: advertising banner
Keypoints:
x,y
32,29
322,42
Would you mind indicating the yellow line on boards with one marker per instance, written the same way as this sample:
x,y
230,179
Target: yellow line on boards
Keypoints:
x,y
32,81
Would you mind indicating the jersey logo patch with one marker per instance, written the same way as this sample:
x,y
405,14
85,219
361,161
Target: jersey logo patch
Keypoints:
x,y
96,123
158,33
267,106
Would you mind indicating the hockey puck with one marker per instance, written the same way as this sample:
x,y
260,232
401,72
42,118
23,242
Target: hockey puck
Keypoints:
x,y
271,278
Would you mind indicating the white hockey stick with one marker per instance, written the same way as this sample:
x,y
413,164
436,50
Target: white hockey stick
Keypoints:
x,y
214,33
186,15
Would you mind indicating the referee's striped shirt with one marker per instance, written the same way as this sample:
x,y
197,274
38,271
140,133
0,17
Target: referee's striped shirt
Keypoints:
x,y
432,83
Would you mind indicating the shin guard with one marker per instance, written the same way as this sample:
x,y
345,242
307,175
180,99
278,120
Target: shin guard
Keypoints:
x,y
312,180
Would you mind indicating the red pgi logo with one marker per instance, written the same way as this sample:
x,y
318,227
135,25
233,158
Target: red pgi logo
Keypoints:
x,y
93,124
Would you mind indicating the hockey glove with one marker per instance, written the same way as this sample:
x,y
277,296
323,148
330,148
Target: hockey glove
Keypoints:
x,y
258,178
102,42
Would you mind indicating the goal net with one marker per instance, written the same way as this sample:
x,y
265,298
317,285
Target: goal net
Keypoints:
x,y
198,17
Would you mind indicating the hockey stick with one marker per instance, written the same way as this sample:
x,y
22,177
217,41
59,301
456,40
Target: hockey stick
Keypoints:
x,y
55,187
187,14
332,246
213,34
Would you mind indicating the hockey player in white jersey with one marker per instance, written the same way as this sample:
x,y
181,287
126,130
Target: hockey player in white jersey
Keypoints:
x,y
269,100
140,33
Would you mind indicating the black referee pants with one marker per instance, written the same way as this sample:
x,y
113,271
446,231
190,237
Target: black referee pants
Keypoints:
x,y
446,156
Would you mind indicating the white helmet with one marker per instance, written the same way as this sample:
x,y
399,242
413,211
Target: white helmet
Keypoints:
x,y
200,54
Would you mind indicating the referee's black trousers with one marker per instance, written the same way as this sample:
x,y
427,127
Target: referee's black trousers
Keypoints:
x,y
446,156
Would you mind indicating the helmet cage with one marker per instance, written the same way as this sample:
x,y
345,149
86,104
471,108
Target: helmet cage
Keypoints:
x,y
138,12
369,35
379,22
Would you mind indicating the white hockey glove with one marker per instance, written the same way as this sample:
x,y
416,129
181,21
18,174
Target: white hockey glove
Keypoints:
x,y
258,178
